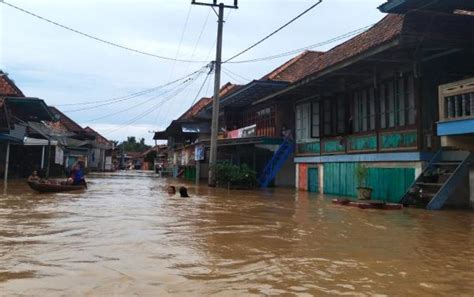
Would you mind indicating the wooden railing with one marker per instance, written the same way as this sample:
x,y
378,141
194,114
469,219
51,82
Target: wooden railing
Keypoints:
x,y
456,100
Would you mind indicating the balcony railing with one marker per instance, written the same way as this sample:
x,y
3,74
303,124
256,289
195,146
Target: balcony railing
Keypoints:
x,y
456,100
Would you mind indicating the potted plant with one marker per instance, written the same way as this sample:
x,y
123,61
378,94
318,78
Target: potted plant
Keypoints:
x,y
363,191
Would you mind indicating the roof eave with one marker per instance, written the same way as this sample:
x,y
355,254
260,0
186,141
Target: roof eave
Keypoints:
x,y
348,62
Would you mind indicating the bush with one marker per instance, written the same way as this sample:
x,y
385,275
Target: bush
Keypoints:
x,y
229,175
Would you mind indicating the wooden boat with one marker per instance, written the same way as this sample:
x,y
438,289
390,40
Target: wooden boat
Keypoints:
x,y
369,204
55,188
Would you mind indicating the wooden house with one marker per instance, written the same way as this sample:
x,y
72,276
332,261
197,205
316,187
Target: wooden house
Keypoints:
x,y
22,148
100,153
373,101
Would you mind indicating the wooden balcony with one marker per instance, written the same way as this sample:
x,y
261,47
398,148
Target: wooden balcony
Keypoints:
x,y
456,100
456,108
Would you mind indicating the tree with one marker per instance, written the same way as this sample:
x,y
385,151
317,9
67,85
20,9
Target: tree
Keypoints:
x,y
131,145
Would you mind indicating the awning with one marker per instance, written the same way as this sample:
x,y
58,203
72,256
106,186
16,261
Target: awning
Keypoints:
x,y
29,109
37,141
4,137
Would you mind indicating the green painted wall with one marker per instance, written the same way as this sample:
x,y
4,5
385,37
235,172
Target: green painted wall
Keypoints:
x,y
399,140
313,180
388,183
333,146
309,148
362,143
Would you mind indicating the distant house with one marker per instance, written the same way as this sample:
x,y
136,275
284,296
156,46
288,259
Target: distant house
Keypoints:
x,y
100,155
74,140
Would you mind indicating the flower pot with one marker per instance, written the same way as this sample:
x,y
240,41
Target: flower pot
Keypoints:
x,y
364,193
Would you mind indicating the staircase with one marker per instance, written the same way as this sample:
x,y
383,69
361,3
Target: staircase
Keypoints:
x,y
439,180
274,165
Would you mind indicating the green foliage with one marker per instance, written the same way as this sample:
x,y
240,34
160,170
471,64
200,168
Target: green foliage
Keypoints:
x,y
131,145
361,173
234,176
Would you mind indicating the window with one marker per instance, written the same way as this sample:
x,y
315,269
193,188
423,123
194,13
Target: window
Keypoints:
x,y
327,117
364,110
303,122
315,120
397,102
341,114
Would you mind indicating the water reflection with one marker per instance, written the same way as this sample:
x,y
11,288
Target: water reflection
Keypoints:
x,y
126,235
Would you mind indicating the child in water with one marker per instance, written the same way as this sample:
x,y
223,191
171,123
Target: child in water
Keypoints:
x,y
183,192
171,190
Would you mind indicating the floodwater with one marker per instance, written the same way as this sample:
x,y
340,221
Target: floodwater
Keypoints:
x,y
126,236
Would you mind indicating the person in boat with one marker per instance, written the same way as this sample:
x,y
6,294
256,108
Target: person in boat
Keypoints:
x,y
171,190
183,192
77,176
34,177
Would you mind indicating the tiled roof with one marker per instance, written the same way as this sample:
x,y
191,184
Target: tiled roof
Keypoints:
x,y
227,89
8,87
296,68
65,121
384,31
99,138
195,109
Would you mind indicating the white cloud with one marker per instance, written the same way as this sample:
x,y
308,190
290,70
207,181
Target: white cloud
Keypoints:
x,y
62,67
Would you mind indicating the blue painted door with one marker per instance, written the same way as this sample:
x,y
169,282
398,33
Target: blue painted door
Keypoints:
x,y
313,180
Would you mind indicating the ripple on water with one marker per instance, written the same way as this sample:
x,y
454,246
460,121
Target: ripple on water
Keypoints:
x,y
126,236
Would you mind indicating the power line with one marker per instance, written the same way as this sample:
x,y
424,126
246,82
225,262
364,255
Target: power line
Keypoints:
x,y
147,112
114,44
233,75
274,32
202,86
296,51
137,94
181,41
187,78
137,105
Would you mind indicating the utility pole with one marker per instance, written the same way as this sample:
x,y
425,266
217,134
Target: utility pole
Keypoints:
x,y
217,85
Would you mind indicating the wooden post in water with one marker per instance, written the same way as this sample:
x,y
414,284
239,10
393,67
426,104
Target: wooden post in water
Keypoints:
x,y
7,163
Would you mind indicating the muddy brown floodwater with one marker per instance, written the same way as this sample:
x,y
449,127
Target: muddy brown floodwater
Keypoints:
x,y
126,236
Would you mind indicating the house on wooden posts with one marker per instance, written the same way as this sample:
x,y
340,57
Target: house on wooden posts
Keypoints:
x,y
100,154
451,167
185,137
22,147
373,101
255,128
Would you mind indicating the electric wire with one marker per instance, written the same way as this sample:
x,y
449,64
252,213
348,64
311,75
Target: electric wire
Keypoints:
x,y
299,50
121,100
181,40
274,32
147,112
202,87
148,100
234,75
87,35
137,94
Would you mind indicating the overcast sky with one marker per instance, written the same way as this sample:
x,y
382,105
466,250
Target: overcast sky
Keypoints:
x,y
64,68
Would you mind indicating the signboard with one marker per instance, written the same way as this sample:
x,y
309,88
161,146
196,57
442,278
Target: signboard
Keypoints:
x,y
199,153
59,156
250,131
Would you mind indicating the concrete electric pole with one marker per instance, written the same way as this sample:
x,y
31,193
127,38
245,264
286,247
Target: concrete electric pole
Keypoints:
x,y
217,85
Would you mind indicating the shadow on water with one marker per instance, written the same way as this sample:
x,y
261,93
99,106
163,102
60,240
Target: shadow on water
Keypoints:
x,y
125,235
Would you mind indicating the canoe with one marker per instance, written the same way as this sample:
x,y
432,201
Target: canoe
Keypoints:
x,y
362,204
55,188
